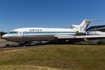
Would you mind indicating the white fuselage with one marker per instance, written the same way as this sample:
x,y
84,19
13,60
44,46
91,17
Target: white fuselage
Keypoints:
x,y
36,34
95,33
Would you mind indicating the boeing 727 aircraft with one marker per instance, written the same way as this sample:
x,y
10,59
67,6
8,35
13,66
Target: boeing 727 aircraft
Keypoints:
x,y
49,34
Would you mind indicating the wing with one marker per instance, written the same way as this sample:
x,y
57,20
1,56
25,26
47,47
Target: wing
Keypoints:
x,y
90,37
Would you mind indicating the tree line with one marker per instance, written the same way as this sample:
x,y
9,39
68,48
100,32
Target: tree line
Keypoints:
x,y
2,33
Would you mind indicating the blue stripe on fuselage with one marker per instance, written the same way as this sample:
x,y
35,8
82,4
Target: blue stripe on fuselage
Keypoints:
x,y
41,32
46,32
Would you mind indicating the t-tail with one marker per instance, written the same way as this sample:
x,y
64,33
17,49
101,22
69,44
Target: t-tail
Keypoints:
x,y
83,26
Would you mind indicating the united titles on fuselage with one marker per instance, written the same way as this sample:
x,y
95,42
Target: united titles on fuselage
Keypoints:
x,y
35,30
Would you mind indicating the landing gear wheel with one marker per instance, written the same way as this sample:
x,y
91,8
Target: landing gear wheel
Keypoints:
x,y
22,44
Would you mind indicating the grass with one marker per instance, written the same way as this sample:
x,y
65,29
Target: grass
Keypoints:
x,y
63,57
25,67
2,40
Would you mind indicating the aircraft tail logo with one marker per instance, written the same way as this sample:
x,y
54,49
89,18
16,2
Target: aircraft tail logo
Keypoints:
x,y
83,26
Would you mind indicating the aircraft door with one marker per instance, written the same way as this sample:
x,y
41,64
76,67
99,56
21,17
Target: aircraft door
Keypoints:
x,y
20,32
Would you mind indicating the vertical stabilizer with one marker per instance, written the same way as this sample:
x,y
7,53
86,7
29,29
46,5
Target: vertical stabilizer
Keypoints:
x,y
83,26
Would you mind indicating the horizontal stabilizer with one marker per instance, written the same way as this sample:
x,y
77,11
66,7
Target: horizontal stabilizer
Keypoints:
x,y
93,20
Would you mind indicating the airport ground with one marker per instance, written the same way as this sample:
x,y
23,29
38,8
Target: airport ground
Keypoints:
x,y
52,57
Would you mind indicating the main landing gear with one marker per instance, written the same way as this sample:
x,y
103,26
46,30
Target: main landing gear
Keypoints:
x,y
23,44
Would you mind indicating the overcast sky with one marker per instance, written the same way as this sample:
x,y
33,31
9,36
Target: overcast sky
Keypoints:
x,y
49,13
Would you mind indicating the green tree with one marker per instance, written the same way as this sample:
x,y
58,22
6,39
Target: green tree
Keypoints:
x,y
2,33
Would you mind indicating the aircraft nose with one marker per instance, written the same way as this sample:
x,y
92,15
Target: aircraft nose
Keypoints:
x,y
4,37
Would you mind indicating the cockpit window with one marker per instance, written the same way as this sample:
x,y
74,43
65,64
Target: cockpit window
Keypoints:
x,y
13,32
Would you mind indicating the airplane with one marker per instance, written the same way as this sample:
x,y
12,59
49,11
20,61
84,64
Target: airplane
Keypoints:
x,y
26,35
96,30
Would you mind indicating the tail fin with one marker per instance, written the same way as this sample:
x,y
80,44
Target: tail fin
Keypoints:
x,y
83,25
